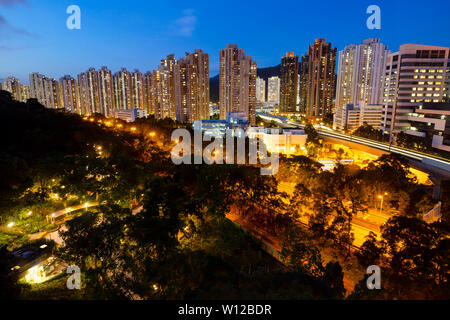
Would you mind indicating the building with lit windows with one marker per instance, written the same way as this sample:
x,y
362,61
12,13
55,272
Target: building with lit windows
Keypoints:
x,y
89,94
288,83
129,115
351,117
70,94
122,90
52,94
137,90
191,87
237,82
360,77
37,87
105,91
260,90
282,140
13,86
273,90
147,90
414,75
163,90
318,79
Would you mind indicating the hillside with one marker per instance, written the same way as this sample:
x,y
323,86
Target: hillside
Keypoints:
x,y
263,73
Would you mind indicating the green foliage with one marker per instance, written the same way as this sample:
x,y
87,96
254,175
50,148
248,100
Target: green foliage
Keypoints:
x,y
12,239
370,252
413,256
369,132
313,142
408,141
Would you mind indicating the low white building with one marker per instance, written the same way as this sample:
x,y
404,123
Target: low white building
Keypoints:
x,y
286,141
352,117
130,115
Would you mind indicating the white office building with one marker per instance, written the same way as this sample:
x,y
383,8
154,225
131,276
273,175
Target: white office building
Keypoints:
x,y
273,90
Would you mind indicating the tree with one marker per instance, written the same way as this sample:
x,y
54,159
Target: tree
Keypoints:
x,y
328,119
313,143
370,252
416,254
369,132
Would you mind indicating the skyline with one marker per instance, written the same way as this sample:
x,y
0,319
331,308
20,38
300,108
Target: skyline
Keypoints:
x,y
46,46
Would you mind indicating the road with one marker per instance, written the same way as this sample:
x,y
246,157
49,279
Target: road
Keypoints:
x,y
361,226
434,164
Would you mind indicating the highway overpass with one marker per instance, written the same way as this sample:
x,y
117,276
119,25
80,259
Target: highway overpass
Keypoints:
x,y
434,165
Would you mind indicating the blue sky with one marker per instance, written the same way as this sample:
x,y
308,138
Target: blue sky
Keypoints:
x,y
137,34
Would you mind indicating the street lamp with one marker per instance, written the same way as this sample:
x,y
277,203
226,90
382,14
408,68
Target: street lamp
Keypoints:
x,y
382,198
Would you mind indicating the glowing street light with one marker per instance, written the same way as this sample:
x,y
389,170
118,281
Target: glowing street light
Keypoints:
x,y
382,198
11,224
152,134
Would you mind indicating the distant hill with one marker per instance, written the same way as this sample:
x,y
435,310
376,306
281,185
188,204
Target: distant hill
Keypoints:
x,y
263,73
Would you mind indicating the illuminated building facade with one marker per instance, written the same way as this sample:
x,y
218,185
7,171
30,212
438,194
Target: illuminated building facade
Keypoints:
x,y
288,83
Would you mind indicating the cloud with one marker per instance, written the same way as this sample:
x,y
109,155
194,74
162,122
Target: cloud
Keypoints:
x,y
9,48
185,25
11,2
6,27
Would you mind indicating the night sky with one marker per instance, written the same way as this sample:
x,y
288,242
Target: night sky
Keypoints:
x,y
137,34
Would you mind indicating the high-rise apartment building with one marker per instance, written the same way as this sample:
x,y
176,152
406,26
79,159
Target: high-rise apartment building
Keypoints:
x,y
260,90
25,93
37,87
237,83
303,81
318,80
105,91
191,87
13,86
122,89
414,75
164,93
360,77
147,89
70,94
288,83
273,90
137,90
89,93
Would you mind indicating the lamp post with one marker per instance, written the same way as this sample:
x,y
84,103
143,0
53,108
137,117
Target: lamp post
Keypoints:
x,y
382,198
